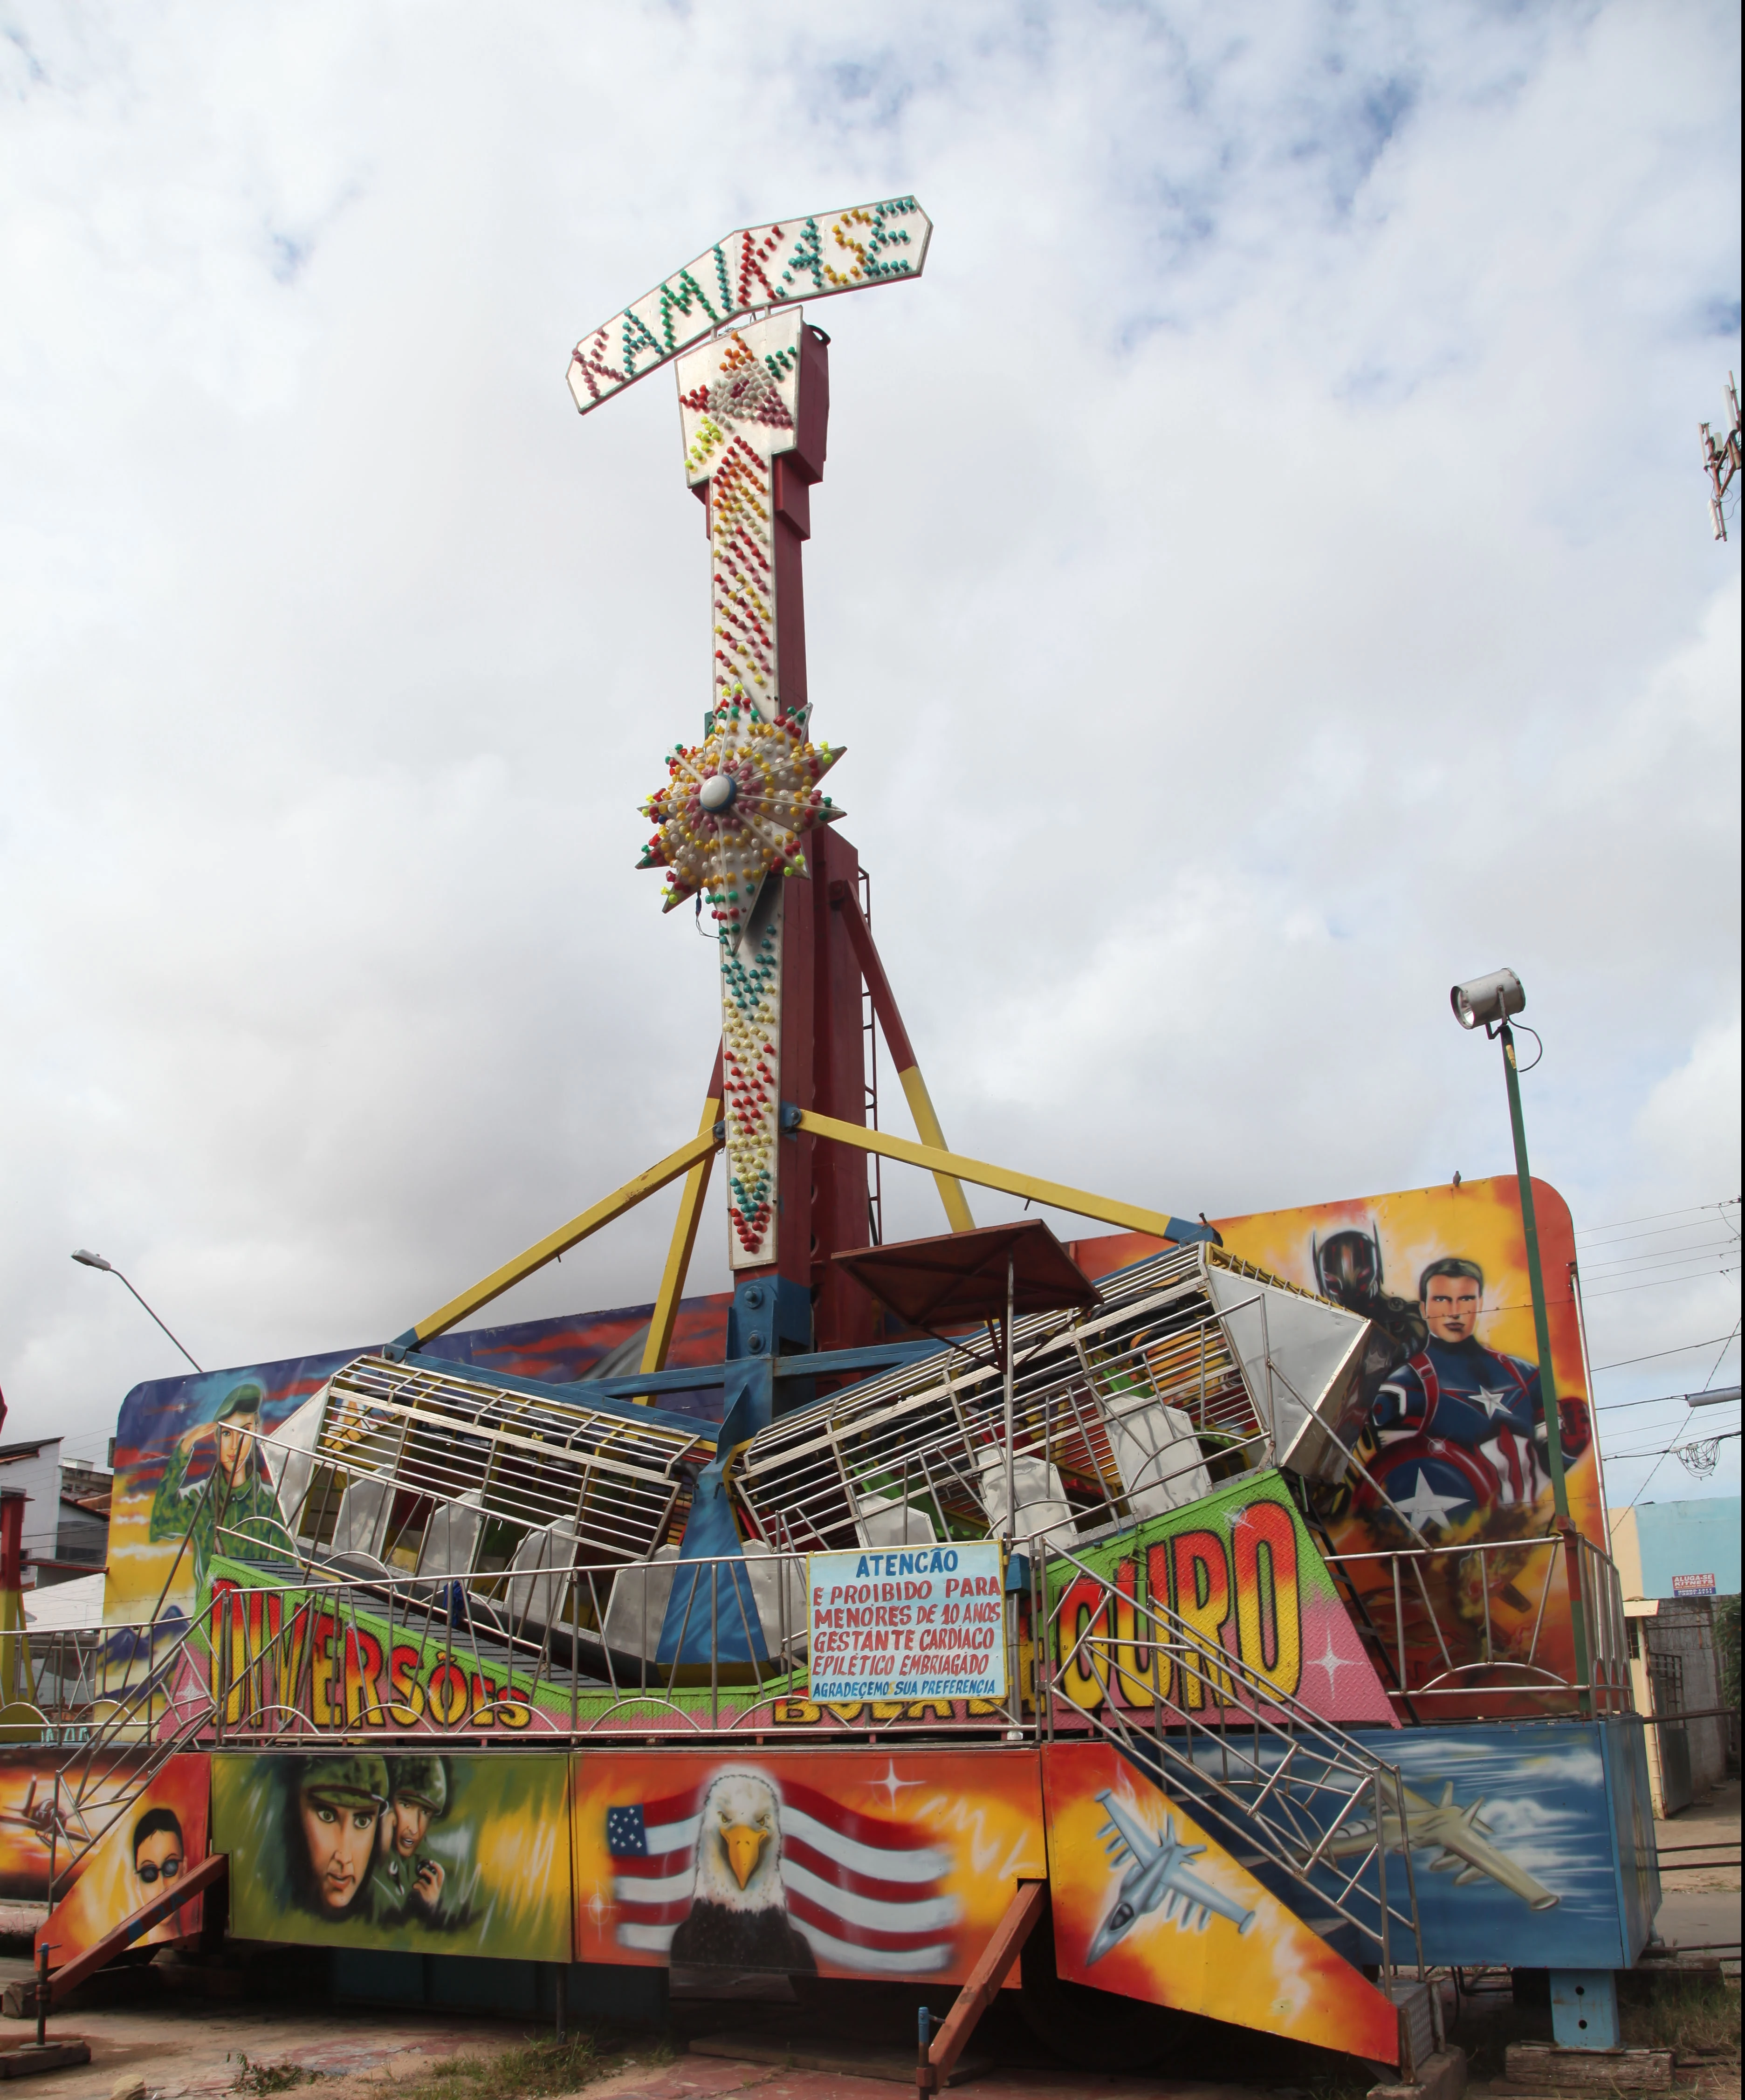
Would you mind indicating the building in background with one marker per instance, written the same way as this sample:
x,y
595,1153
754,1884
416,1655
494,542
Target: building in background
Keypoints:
x,y
81,1532
1674,1559
66,1511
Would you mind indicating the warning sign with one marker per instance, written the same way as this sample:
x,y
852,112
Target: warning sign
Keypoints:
x,y
924,1622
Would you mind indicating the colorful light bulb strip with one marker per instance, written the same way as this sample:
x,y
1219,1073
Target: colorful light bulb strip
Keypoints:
x,y
751,1034
735,808
759,266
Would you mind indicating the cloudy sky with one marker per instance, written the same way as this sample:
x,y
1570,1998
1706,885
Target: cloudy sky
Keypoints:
x,y
1263,575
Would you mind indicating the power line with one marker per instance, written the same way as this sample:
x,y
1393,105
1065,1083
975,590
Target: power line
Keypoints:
x,y
1648,1217
1661,1399
1666,1258
1660,1232
1684,1348
1655,1283
1714,1437
1660,1457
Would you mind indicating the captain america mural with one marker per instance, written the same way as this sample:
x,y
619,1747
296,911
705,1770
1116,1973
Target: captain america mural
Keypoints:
x,y
1457,1427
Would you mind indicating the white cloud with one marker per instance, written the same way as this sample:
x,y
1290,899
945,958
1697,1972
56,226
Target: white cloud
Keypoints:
x,y
1263,574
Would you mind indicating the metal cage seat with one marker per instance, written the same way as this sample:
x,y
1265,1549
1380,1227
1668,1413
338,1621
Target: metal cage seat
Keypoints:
x,y
1197,1366
508,1501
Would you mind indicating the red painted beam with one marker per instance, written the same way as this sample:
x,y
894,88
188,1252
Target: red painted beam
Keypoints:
x,y
984,1980
207,1875
844,900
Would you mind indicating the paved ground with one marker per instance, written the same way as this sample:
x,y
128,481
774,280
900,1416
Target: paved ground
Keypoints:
x,y
1700,1905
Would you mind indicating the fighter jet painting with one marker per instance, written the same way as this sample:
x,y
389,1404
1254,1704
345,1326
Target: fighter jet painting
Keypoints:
x,y
1459,1838
47,1819
1158,1879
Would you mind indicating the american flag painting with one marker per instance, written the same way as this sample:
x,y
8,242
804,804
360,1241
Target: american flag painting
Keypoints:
x,y
742,1863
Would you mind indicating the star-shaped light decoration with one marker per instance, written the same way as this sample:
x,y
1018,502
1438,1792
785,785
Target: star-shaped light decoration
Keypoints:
x,y
734,807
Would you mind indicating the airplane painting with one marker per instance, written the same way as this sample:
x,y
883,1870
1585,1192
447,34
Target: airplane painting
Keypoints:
x,y
1158,1879
48,1821
1460,1840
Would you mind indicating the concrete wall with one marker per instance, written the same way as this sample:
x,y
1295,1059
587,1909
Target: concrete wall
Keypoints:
x,y
1683,1631
1655,1543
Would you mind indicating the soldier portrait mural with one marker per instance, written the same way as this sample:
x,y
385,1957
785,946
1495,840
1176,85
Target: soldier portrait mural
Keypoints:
x,y
460,1854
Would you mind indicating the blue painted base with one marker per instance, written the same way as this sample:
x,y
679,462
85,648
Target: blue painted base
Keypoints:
x,y
1584,2009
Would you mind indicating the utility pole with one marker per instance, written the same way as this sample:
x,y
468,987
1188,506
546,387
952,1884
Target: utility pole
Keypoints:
x,y
1721,462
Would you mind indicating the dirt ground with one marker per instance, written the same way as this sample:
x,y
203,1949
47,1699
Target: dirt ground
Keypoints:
x,y
184,2049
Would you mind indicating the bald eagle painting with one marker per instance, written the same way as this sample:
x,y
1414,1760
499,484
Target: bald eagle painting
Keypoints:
x,y
739,1908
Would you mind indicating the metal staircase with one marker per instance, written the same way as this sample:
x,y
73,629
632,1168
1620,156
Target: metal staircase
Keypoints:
x,y
1276,1782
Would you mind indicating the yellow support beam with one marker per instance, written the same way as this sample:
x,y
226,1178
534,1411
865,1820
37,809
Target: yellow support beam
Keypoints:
x,y
927,1125
678,1253
942,1164
614,1206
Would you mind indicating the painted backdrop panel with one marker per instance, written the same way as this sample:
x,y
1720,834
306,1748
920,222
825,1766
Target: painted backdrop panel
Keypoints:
x,y
1239,1566
836,1862
144,1850
1147,1903
1453,1432
465,1855
39,1820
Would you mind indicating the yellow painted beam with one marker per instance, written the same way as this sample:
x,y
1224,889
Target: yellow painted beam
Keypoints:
x,y
927,1124
678,1253
565,1236
937,1161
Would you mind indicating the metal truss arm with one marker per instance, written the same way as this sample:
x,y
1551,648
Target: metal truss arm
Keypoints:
x,y
1079,1201
684,1236
614,1206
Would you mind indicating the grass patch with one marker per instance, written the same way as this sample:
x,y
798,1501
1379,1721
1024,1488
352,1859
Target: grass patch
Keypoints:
x,y
273,2077
1696,2015
535,2071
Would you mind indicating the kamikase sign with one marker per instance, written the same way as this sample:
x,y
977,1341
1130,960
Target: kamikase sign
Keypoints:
x,y
923,1622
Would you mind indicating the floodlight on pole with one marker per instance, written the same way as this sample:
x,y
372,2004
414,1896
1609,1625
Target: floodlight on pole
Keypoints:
x,y
96,1261
1488,1002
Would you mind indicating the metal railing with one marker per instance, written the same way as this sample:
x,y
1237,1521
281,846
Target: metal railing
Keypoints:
x,y
1482,1630
1283,1789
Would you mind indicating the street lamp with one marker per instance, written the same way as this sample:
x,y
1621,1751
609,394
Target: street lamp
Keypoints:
x,y
1488,1002
96,1261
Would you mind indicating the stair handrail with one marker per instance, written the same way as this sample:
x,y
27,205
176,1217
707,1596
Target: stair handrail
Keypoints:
x,y
1295,1849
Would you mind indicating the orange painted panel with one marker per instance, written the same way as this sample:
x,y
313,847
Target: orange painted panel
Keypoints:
x,y
1173,1918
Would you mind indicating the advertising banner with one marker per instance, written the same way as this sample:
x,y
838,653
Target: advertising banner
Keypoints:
x,y
144,1852
922,1622
833,1863
464,1854
1239,1566
1147,1903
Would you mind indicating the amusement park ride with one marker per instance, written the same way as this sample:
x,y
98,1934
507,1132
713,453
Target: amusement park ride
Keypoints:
x,y
952,1610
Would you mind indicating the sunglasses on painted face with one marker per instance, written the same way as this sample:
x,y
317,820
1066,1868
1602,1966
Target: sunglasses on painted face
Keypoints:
x,y
169,1872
